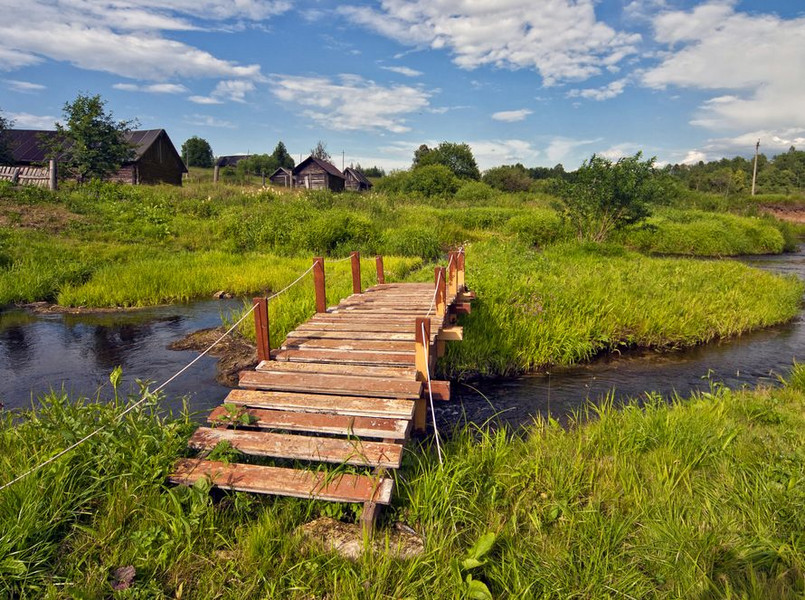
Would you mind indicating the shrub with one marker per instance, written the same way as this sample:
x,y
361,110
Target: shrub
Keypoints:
x,y
474,191
411,241
538,227
432,180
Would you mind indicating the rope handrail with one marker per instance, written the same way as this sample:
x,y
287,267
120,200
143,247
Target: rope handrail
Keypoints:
x,y
149,394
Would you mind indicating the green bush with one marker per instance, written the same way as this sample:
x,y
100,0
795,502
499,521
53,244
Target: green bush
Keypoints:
x,y
474,191
538,227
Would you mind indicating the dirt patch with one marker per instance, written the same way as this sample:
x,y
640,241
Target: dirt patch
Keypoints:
x,y
794,214
51,218
46,308
235,353
347,539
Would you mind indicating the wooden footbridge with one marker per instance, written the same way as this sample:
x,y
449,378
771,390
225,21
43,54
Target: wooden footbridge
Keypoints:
x,y
347,387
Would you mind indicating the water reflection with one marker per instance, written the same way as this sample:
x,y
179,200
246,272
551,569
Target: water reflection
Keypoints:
x,y
77,352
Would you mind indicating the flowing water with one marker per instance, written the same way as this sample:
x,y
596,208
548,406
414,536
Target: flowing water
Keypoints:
x,y
77,352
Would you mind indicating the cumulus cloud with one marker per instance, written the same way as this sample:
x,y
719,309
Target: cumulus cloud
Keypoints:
x,y
24,120
351,102
560,148
511,116
407,71
758,59
208,121
123,37
154,88
493,153
24,87
611,90
234,90
561,39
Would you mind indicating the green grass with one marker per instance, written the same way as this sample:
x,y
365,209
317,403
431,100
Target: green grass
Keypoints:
x,y
571,301
699,498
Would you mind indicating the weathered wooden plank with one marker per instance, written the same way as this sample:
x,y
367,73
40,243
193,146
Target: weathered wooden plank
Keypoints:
x,y
392,408
452,333
344,357
301,447
363,371
321,383
349,344
285,482
372,427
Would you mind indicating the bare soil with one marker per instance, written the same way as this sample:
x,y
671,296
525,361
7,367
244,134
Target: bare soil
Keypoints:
x,y
794,214
347,539
51,218
235,353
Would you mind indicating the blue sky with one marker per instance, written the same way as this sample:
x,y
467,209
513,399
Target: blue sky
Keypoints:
x,y
532,81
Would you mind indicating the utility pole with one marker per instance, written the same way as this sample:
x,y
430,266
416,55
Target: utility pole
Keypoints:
x,y
754,171
342,160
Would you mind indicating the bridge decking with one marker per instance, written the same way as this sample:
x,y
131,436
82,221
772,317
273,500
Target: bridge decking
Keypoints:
x,y
347,387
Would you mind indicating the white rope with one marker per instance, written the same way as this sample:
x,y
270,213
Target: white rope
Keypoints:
x,y
426,343
148,394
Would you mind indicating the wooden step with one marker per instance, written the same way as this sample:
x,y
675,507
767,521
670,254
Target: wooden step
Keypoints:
x,y
321,383
372,427
338,369
285,482
392,408
328,334
451,333
301,447
345,357
356,345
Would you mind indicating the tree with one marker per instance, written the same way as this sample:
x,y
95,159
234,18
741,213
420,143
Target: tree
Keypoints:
x,y
282,158
257,164
91,144
607,196
5,151
197,152
320,152
508,178
374,172
456,157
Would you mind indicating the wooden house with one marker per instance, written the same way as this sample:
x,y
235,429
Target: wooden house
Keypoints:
x,y
355,180
316,174
155,157
282,176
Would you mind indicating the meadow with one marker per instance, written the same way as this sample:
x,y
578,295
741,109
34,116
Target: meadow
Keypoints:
x,y
669,498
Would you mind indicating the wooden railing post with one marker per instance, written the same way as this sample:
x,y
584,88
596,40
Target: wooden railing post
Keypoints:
x,y
460,271
422,344
441,286
355,259
261,331
318,283
452,277
381,274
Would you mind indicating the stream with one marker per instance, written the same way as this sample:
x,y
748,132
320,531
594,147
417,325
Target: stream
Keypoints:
x,y
76,353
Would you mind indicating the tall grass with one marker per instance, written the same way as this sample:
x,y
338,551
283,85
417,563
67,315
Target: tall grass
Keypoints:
x,y
571,301
699,498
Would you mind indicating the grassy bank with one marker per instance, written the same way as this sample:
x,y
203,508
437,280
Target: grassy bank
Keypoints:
x,y
699,498
571,301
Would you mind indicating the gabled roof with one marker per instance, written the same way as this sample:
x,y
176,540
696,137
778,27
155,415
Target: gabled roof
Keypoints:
x,y
329,168
280,171
358,175
30,145
230,161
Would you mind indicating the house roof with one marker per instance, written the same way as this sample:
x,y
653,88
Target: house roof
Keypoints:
x,y
329,168
280,171
30,145
230,161
358,175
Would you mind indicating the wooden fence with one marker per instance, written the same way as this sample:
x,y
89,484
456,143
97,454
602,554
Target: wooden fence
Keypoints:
x,y
44,177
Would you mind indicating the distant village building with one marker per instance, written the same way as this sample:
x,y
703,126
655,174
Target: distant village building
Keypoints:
x,y
155,157
282,176
355,180
230,161
316,174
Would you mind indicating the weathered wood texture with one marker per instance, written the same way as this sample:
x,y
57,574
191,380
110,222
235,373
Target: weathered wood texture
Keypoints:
x,y
346,387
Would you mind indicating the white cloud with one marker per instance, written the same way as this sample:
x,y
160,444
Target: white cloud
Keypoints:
x,y
561,39
493,153
154,88
694,157
407,71
560,148
28,121
757,58
209,121
205,100
611,90
351,102
24,87
123,37
235,91
643,9
511,116
619,151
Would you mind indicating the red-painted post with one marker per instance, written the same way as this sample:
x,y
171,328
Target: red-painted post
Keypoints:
x,y
261,332
355,259
438,278
318,283
381,274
